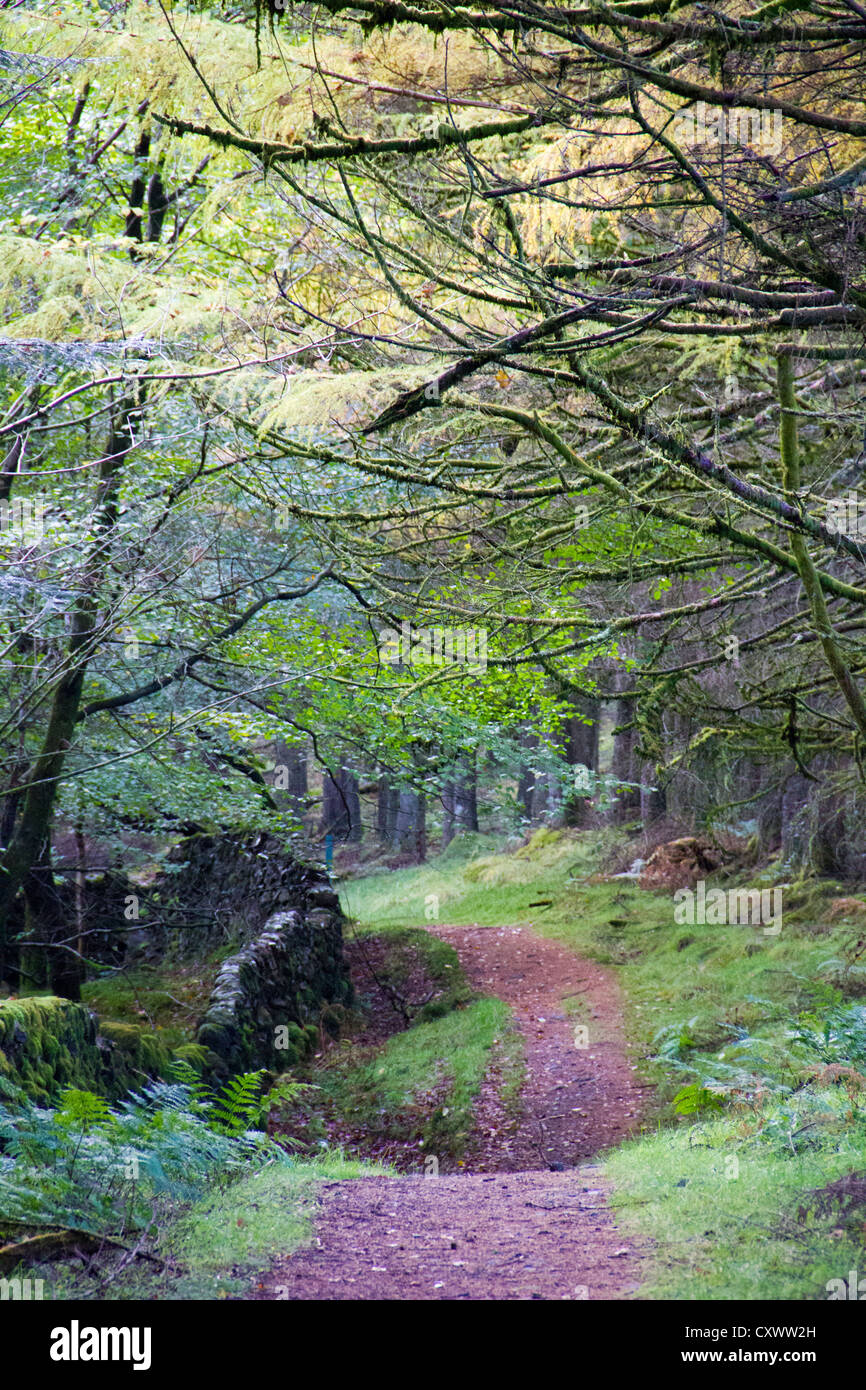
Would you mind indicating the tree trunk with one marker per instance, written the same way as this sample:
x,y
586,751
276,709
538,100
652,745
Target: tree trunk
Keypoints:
x,y
466,798
341,806
624,763
33,826
653,801
526,786
291,788
553,809
353,797
157,205
448,819
411,834
134,213
770,822
384,821
581,751
45,962
525,790
795,828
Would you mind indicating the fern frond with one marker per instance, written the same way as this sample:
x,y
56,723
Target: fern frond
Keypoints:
x,y
238,1106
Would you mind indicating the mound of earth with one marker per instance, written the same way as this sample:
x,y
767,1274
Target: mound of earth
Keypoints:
x,y
680,863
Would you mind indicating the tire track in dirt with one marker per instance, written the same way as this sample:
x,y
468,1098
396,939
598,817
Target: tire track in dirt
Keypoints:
x,y
524,1221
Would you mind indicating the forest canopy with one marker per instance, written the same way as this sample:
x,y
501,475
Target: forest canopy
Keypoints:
x,y
390,389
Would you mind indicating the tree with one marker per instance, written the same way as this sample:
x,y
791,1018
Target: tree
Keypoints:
x,y
655,267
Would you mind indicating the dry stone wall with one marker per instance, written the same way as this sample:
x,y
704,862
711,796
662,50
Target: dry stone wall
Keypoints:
x,y
268,998
268,1001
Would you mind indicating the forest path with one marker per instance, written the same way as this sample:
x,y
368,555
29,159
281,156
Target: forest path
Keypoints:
x,y
529,1217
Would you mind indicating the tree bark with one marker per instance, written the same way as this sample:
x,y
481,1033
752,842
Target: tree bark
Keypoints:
x,y
353,797
448,821
383,829
294,795
526,786
411,832
653,799
133,224
624,763
466,797
31,834
341,806
581,750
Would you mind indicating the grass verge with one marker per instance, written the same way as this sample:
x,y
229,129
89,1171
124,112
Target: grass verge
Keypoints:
x,y
411,1095
218,1246
756,1045
733,1214
420,1087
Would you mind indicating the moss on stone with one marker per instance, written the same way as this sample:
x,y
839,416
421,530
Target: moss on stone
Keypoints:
x,y
49,1044
126,1036
143,1051
199,1057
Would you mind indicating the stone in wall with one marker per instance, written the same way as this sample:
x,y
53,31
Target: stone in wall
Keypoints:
x,y
48,1045
267,999
220,887
217,887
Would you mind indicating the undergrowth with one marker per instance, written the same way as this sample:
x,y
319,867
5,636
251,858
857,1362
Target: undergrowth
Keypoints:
x,y
755,1046
171,1193
412,1096
115,1170
169,998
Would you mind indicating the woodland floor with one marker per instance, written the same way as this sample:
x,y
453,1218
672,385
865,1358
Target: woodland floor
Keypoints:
x,y
528,1218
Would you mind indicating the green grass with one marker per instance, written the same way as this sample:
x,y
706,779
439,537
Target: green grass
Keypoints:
x,y
721,1206
170,999
214,1247
713,983
224,1240
422,1084
461,887
419,1087
715,1006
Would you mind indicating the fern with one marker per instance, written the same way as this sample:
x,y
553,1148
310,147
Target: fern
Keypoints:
x,y
239,1105
82,1110
237,1108
113,1169
675,1040
691,1100
839,1038
183,1071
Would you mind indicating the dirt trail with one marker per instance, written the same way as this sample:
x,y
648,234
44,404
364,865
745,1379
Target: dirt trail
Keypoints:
x,y
524,1221
580,1094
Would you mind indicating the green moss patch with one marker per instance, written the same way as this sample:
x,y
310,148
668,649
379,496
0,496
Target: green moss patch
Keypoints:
x,y
49,1044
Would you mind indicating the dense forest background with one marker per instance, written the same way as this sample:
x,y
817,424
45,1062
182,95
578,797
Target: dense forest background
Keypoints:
x,y
420,419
